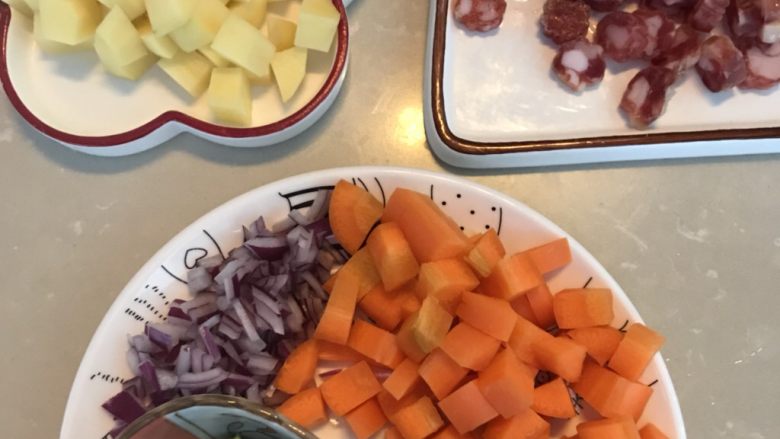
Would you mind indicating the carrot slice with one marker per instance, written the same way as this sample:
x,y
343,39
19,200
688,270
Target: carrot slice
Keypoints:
x,y
390,405
541,302
507,384
522,307
582,308
431,234
524,336
467,408
527,425
551,256
445,280
610,394
417,420
352,212
615,428
406,340
600,341
350,388
470,347
305,408
382,307
375,343
486,253
441,373
298,369
408,301
492,316
336,320
403,379
362,267
393,433
431,324
512,277
650,431
392,256
327,351
449,432
328,285
552,399
635,351
366,419
561,356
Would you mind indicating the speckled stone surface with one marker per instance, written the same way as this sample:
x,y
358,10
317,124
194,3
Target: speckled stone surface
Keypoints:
x,y
695,243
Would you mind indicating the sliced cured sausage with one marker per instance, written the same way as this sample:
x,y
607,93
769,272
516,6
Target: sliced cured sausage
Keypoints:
x,y
565,20
721,65
706,14
660,31
579,63
479,15
763,71
645,97
623,36
684,53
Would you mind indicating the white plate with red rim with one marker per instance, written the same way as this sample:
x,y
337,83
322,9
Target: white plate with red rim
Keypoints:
x,y
159,281
72,100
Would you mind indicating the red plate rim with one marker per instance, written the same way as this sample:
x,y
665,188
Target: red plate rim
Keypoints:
x,y
171,116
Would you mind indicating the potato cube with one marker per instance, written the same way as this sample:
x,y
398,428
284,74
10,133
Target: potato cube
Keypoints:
x,y
132,8
252,11
20,6
131,71
214,57
162,46
207,17
289,68
317,24
169,15
123,43
229,96
244,45
53,46
69,21
32,4
281,31
190,70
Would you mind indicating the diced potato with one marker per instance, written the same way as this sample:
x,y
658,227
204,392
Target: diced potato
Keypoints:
x,y
289,68
214,57
123,44
20,6
32,4
199,31
317,24
244,45
281,31
53,46
190,70
252,11
229,96
131,71
162,46
168,15
69,21
132,8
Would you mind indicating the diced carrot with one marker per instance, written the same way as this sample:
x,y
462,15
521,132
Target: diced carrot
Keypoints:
x,y
486,253
507,385
375,343
522,307
526,425
512,277
406,340
582,308
328,285
298,369
523,338
635,351
561,356
417,420
327,351
551,256
366,419
600,341
610,394
492,316
449,432
352,213
650,431
612,428
305,408
390,405
408,301
441,373
362,267
466,408
336,320
552,399
431,234
541,302
393,433
392,256
350,388
470,347
403,379
382,307
431,324
445,280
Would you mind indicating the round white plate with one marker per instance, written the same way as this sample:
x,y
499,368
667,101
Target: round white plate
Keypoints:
x,y
147,295
70,98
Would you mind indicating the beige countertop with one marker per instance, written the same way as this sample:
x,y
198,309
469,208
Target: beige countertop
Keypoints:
x,y
695,243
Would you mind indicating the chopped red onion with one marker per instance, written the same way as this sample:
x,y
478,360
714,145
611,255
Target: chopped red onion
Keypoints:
x,y
202,379
124,406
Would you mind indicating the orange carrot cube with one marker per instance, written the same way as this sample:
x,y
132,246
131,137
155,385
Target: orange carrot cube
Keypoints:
x,y
417,420
522,306
441,373
382,307
393,433
507,384
392,256
492,316
551,256
298,369
350,388
650,431
610,394
486,253
613,428
561,356
541,302
407,341
403,379
552,399
524,336
327,351
512,277
467,408
445,280
362,267
305,408
600,341
375,343
352,213
470,347
336,319
635,351
582,308
449,432
366,419
526,425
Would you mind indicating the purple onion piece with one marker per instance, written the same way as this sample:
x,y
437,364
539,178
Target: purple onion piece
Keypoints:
x,y
124,406
184,361
149,376
198,279
203,379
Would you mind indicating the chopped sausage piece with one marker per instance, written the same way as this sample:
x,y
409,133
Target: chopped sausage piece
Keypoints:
x,y
579,63
684,53
479,15
565,20
604,5
744,18
721,65
623,36
763,71
645,97
674,9
660,31
706,14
